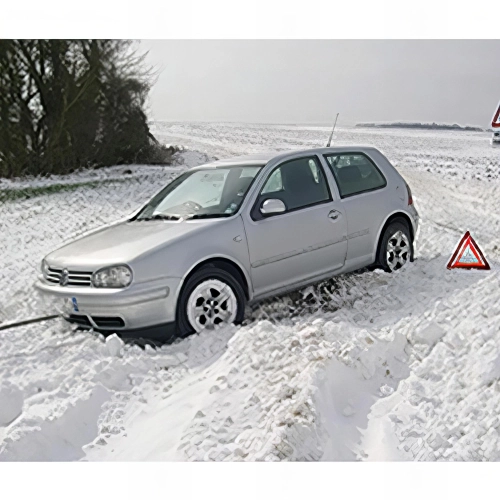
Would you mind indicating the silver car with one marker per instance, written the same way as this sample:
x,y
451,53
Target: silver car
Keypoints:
x,y
232,232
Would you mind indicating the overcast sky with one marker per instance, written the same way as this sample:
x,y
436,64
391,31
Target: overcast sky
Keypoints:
x,y
308,81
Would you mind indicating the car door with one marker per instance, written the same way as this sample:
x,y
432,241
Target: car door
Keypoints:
x,y
364,193
307,240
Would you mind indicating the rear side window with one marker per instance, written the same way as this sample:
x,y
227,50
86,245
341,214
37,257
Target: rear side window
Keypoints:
x,y
355,173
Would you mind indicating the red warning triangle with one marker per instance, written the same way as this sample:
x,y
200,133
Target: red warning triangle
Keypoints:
x,y
468,255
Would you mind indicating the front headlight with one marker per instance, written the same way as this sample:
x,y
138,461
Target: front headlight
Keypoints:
x,y
112,277
44,268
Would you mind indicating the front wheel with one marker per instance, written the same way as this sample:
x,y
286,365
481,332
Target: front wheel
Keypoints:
x,y
396,248
211,299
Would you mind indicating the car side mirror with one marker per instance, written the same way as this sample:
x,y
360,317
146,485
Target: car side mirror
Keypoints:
x,y
272,206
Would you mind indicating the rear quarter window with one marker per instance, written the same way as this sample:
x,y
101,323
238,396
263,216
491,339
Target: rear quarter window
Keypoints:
x,y
355,173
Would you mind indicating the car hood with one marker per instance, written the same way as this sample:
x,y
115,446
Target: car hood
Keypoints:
x,y
123,242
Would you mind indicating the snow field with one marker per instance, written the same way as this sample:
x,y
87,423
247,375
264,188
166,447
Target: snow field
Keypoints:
x,y
453,155
367,366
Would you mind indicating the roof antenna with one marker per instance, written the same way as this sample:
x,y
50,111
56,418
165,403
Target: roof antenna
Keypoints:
x,y
333,129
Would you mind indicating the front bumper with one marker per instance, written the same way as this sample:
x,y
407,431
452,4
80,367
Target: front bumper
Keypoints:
x,y
138,306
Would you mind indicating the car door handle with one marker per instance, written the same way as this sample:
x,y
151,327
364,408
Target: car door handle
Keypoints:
x,y
334,214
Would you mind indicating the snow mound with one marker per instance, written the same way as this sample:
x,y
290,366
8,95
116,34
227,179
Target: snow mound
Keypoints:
x,y
115,345
447,409
56,439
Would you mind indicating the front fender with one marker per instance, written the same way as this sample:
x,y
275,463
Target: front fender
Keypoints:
x,y
224,240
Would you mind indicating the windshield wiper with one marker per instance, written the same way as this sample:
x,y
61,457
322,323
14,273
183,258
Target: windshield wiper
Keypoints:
x,y
207,216
160,217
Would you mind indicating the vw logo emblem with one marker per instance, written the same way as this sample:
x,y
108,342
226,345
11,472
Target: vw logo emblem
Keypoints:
x,y
63,280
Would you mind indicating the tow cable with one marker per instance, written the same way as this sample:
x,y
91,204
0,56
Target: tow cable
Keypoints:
x,y
28,322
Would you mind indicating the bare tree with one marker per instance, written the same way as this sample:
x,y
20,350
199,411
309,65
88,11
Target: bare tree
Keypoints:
x,y
67,104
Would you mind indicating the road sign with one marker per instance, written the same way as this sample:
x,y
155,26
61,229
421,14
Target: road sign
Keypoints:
x,y
495,123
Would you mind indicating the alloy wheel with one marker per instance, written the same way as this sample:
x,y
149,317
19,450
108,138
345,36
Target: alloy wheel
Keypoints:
x,y
398,251
212,304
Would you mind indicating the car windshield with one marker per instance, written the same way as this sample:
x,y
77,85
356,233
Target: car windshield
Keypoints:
x,y
206,193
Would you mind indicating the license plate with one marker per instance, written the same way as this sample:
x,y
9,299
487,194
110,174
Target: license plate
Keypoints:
x,y
71,305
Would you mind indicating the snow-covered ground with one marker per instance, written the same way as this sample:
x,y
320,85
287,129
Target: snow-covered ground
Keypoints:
x,y
368,366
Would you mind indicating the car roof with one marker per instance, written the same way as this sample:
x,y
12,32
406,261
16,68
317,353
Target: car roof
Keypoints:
x,y
262,159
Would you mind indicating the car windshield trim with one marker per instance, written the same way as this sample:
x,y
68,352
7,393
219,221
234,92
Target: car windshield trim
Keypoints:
x,y
203,193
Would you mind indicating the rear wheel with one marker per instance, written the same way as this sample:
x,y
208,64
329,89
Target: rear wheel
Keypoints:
x,y
211,299
396,248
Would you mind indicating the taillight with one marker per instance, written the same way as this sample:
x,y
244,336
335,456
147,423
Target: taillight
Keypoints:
x,y
410,197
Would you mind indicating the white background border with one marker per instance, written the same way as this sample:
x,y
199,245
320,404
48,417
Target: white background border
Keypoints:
x,y
251,481
252,19
218,19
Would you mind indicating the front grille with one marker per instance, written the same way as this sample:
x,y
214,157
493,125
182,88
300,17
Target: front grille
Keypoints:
x,y
75,278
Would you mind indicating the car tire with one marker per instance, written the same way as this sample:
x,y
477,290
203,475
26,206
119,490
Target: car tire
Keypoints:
x,y
396,246
209,278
